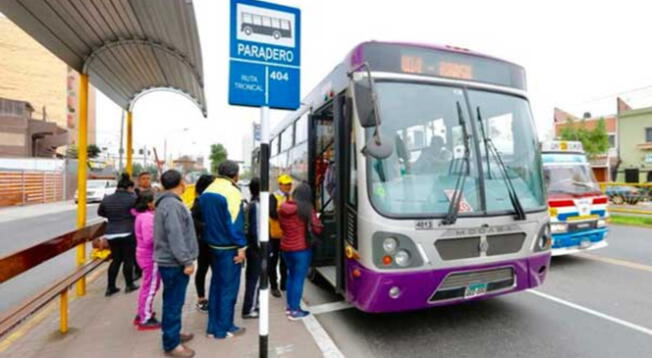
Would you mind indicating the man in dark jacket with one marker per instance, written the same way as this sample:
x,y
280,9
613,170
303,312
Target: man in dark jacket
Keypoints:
x,y
252,273
175,250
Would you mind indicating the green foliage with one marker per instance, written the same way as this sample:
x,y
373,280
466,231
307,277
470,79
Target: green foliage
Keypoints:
x,y
218,155
92,150
595,141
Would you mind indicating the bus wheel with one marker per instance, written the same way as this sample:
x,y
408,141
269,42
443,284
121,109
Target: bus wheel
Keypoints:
x,y
247,30
277,35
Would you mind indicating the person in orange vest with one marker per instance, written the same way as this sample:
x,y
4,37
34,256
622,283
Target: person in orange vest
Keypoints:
x,y
275,201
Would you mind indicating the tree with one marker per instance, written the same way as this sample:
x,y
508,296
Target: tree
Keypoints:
x,y
93,151
595,141
218,155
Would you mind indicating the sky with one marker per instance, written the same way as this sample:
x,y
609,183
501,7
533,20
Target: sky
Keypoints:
x,y
578,55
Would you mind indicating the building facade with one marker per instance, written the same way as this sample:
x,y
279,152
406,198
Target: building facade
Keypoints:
x,y
635,138
30,73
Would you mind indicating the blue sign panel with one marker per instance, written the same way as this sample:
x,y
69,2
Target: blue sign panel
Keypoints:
x,y
264,55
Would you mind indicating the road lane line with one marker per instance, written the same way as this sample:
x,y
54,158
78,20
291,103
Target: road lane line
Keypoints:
x,y
330,307
619,321
325,343
619,262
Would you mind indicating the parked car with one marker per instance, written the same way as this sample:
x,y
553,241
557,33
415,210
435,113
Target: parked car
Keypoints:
x,y
97,189
622,194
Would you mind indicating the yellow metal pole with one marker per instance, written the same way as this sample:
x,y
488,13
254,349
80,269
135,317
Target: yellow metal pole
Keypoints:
x,y
130,142
63,320
82,158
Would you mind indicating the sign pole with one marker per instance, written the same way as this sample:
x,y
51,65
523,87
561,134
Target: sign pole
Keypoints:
x,y
263,232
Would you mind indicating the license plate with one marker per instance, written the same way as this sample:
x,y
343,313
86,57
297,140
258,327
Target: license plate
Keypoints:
x,y
585,244
475,289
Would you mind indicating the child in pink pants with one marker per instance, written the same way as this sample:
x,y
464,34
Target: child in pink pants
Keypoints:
x,y
144,230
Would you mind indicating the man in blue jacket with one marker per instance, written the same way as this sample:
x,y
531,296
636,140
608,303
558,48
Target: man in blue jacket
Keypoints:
x,y
221,208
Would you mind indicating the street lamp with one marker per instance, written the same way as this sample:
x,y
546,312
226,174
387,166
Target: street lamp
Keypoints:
x,y
165,141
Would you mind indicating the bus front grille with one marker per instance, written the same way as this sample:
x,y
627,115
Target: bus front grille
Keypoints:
x,y
455,285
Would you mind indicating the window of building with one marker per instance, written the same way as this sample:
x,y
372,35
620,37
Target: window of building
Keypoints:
x,y
612,141
648,134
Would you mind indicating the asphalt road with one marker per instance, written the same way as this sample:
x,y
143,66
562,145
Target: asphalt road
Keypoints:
x,y
591,305
19,234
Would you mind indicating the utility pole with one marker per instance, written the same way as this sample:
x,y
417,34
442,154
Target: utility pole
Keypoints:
x,y
121,150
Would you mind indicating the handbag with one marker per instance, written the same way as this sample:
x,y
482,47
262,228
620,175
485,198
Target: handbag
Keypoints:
x,y
311,238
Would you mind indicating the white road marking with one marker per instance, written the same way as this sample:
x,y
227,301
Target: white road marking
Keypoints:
x,y
619,262
324,341
619,321
330,307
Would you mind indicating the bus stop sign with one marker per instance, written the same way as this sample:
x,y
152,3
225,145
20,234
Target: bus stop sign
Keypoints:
x,y
264,55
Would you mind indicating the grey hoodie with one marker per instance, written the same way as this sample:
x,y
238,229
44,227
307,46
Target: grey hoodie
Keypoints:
x,y
175,243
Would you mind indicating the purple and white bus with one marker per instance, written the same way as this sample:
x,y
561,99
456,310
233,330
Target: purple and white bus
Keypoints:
x,y
427,172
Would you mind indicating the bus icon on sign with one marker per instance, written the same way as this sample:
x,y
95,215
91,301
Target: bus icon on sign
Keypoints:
x,y
265,25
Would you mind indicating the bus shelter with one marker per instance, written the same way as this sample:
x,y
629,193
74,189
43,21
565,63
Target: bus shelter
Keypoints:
x,y
125,48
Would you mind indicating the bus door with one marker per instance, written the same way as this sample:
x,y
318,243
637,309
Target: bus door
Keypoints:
x,y
330,149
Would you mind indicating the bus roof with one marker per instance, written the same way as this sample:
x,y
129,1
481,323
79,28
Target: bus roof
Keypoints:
x,y
414,59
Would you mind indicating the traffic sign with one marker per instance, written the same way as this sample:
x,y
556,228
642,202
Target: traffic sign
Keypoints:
x,y
265,55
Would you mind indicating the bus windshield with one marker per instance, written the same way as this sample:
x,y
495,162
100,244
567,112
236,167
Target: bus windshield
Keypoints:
x,y
425,123
569,178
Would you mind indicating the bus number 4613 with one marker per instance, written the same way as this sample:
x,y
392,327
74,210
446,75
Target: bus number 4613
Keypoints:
x,y
279,76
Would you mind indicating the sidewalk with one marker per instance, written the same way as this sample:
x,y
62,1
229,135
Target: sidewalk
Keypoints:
x,y
12,213
102,327
644,208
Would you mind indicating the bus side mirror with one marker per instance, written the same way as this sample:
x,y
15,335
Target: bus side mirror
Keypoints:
x,y
365,103
378,146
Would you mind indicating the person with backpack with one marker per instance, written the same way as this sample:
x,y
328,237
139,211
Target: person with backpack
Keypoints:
x,y
144,231
252,254
299,223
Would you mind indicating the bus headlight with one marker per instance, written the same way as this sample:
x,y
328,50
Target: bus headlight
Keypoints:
x,y
390,244
557,228
402,258
602,223
544,239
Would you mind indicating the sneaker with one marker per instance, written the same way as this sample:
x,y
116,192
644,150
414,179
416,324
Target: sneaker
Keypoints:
x,y
151,324
276,293
111,291
287,310
137,320
186,337
250,315
298,315
237,331
181,351
202,306
131,288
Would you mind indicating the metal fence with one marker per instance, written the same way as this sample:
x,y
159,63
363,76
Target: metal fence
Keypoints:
x,y
20,187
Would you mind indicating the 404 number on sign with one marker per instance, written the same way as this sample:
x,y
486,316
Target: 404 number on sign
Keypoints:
x,y
279,76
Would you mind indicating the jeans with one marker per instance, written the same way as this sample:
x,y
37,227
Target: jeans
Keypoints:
x,y
123,252
298,263
252,274
225,283
175,283
274,258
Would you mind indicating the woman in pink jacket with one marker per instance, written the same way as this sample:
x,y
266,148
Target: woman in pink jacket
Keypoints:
x,y
144,230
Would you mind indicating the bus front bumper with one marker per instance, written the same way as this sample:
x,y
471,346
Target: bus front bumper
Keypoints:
x,y
374,291
570,243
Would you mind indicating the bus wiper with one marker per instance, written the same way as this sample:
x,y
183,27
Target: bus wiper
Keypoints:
x,y
516,203
456,198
